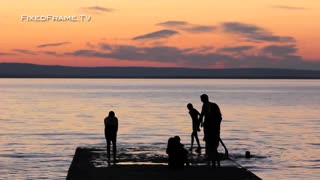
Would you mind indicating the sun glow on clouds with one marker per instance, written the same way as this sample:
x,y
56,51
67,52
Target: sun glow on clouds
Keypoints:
x,y
166,33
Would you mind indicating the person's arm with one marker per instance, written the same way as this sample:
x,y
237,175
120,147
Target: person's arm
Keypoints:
x,y
117,124
201,115
197,112
198,119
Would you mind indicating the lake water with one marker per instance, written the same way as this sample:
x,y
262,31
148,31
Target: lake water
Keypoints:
x,y
42,121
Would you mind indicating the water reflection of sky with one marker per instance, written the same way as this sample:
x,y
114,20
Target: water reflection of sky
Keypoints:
x,y
44,120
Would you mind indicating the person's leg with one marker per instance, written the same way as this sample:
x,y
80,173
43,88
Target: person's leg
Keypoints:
x,y
197,140
108,150
210,149
218,158
205,137
217,152
114,145
192,140
210,153
215,157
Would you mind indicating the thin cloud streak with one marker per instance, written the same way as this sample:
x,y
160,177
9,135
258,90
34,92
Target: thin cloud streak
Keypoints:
x,y
199,29
24,51
236,49
98,9
173,23
6,54
187,27
52,53
53,44
288,7
165,33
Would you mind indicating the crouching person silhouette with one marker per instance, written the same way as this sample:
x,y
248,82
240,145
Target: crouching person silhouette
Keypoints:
x,y
178,155
110,132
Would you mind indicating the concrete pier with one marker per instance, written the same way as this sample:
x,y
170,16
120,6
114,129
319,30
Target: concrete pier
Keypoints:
x,y
88,165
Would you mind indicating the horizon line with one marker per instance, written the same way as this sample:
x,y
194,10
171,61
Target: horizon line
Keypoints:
x,y
154,67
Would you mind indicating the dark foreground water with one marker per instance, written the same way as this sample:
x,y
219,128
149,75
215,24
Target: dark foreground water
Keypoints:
x,y
42,121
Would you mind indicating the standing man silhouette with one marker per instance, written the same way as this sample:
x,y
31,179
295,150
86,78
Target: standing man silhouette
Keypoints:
x,y
211,128
194,114
110,132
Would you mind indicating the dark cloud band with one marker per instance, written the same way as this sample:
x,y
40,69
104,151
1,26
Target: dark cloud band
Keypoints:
x,y
272,56
166,33
254,33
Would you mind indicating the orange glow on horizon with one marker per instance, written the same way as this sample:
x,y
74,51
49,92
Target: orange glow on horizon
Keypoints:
x,y
118,22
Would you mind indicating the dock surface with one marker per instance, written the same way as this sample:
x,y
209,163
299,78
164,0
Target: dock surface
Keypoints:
x,y
84,166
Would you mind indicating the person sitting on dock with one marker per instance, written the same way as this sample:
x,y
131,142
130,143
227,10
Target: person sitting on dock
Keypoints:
x,y
195,126
178,155
110,132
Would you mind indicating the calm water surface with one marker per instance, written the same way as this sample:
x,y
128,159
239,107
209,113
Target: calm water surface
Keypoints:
x,y
42,121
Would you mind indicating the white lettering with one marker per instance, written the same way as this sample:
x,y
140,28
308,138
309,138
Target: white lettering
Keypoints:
x,y
55,18
89,18
48,18
23,17
82,17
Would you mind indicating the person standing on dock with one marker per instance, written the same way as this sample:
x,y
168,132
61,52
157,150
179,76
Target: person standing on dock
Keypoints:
x,y
110,132
195,126
211,128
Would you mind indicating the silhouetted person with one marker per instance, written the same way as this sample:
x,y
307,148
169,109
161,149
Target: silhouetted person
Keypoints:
x,y
211,128
178,155
248,154
110,132
171,151
195,126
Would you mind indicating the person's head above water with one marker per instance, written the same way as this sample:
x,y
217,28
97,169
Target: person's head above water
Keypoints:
x,y
248,154
111,114
190,106
204,98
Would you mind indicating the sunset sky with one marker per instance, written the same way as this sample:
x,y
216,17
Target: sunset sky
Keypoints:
x,y
164,33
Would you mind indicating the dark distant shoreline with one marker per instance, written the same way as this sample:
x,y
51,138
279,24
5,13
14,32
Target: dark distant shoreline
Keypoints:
x,y
293,78
20,70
